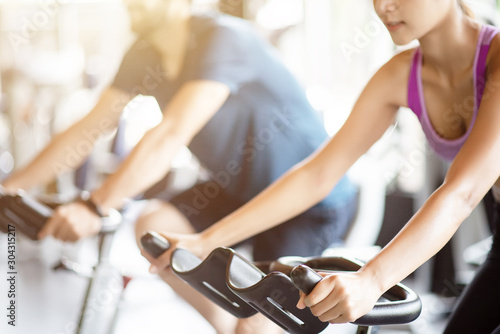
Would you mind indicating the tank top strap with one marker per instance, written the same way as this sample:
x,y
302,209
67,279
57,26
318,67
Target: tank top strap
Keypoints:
x,y
483,46
414,100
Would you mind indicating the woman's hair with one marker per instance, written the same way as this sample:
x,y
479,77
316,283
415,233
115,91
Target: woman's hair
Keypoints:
x,y
466,9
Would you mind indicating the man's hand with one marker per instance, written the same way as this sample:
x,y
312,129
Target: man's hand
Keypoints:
x,y
72,222
4,189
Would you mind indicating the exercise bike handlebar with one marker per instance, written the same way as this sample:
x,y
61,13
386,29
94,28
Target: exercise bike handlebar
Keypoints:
x,y
29,214
23,212
403,304
154,244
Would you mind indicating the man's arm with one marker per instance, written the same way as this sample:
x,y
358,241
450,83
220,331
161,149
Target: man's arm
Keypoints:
x,y
190,109
69,148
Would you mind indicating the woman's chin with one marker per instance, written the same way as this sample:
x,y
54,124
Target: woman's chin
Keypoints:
x,y
402,41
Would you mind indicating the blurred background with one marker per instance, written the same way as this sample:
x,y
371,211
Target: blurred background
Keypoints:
x,y
56,56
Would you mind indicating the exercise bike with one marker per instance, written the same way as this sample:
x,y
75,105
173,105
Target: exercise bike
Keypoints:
x,y
27,215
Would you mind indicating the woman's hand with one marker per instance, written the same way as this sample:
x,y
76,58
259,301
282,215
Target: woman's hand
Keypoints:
x,y
341,298
191,242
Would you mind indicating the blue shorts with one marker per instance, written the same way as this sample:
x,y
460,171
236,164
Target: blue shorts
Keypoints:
x,y
307,234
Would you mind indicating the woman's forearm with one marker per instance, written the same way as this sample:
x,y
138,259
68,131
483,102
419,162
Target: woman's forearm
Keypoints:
x,y
293,193
305,184
421,238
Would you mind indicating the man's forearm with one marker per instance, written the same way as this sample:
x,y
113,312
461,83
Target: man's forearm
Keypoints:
x,y
69,148
64,153
147,164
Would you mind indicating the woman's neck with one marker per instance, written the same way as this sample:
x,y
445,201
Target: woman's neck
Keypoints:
x,y
450,47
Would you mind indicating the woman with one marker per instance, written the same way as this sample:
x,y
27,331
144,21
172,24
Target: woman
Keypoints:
x,y
451,82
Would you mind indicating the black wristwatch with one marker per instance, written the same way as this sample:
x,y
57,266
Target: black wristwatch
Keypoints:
x,y
109,221
85,199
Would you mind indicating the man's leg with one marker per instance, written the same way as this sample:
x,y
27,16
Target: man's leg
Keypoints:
x,y
161,216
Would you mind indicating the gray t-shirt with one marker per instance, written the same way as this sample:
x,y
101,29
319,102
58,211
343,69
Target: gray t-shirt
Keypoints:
x,y
266,125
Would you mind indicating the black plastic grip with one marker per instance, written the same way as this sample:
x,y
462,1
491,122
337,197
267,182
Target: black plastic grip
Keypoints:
x,y
24,212
403,305
154,244
305,278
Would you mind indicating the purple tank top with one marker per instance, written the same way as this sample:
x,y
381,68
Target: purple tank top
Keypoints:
x,y
448,148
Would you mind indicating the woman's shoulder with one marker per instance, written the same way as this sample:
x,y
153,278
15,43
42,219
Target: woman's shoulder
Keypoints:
x,y
402,60
397,68
392,78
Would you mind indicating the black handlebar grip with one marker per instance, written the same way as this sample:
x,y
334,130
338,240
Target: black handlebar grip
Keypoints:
x,y
154,244
305,278
404,307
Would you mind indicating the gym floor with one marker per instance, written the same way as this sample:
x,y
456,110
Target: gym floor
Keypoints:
x,y
49,301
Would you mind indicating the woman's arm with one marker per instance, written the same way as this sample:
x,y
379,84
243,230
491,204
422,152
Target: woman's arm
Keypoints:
x,y
69,148
311,180
344,298
475,169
